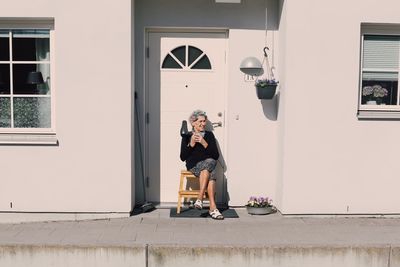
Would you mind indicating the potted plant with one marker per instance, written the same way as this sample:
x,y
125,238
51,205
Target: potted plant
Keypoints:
x,y
266,88
374,94
259,205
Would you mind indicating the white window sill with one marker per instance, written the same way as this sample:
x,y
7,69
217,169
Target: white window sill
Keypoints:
x,y
363,114
28,139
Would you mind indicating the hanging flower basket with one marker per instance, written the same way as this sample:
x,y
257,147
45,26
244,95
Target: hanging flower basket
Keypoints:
x,y
266,88
266,91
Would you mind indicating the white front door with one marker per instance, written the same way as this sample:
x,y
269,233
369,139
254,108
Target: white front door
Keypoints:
x,y
185,71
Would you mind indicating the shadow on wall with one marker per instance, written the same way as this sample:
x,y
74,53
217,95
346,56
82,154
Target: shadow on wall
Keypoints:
x,y
223,188
249,14
279,6
271,107
222,196
137,184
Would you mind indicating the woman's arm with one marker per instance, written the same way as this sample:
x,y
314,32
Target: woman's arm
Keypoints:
x,y
212,149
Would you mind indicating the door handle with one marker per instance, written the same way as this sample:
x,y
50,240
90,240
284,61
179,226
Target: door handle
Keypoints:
x,y
216,124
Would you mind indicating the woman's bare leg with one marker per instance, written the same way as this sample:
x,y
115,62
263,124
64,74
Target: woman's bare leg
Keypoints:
x,y
204,177
211,194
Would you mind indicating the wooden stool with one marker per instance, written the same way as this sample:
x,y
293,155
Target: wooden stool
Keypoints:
x,y
185,191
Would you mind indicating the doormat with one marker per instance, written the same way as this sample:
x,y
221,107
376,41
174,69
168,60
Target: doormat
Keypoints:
x,y
195,213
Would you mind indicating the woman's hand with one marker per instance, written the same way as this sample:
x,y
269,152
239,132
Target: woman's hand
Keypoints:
x,y
198,138
193,140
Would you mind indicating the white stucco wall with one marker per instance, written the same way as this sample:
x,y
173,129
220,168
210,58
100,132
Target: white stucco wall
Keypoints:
x,y
251,125
252,128
331,161
90,169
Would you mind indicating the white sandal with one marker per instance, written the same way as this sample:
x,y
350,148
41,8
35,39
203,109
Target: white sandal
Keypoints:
x,y
198,204
216,215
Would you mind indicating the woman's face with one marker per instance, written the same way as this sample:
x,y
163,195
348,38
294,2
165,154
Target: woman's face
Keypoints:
x,y
200,124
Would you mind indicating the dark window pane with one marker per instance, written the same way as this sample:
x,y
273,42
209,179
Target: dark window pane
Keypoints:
x,y
194,53
5,112
180,54
202,64
20,76
378,92
4,48
30,45
32,112
4,79
170,63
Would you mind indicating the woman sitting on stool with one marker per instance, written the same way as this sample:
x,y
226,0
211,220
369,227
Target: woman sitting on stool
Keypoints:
x,y
199,150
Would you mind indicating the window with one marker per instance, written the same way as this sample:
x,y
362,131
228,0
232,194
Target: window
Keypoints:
x,y
186,57
379,84
25,85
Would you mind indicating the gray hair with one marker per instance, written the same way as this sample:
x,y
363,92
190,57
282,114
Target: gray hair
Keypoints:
x,y
196,114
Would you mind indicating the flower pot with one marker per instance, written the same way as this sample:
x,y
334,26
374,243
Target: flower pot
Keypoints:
x,y
266,92
371,102
259,210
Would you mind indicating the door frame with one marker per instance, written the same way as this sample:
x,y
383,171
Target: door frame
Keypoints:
x,y
145,98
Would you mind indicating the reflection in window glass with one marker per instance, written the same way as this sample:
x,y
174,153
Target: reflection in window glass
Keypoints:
x,y
5,112
4,79
203,64
20,77
194,53
31,45
180,54
32,112
170,63
4,46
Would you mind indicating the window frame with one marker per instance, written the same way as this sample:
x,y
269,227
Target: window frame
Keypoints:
x,y
377,111
186,67
32,135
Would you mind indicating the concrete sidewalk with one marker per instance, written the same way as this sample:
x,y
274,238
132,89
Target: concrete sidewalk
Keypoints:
x,y
157,227
155,239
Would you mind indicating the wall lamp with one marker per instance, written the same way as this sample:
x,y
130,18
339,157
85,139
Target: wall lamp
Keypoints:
x,y
251,66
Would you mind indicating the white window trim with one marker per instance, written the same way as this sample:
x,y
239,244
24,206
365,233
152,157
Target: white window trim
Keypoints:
x,y
32,136
27,23
377,111
28,139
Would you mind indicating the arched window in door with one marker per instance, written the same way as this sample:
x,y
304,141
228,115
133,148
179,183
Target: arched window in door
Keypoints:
x,y
186,57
